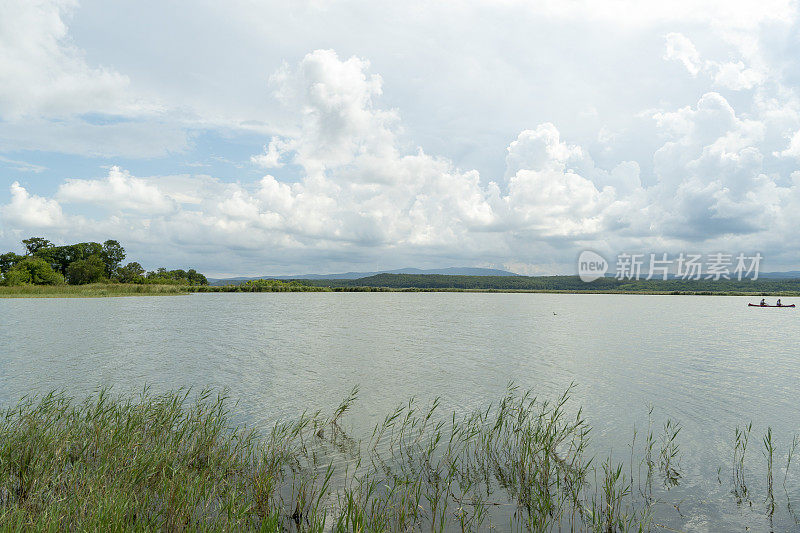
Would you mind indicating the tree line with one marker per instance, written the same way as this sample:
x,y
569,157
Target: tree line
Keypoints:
x,y
560,283
44,263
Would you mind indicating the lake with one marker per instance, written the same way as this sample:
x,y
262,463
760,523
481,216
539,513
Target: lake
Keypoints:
x,y
709,363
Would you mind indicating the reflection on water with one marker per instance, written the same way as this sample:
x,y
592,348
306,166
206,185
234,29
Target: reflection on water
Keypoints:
x,y
709,363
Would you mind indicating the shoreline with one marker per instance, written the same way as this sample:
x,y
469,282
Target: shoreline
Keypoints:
x,y
118,290
95,290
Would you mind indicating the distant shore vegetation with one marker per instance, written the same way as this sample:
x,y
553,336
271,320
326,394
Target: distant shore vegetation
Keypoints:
x,y
98,269
84,263
565,284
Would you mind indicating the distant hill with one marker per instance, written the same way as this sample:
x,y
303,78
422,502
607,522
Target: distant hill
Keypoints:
x,y
450,271
488,278
792,274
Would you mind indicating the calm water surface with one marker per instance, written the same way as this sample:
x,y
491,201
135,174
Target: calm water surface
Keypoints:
x,y
708,362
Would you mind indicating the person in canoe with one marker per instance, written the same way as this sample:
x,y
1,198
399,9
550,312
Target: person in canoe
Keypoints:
x,y
763,301
779,304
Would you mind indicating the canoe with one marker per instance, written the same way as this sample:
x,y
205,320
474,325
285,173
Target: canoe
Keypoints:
x,y
756,305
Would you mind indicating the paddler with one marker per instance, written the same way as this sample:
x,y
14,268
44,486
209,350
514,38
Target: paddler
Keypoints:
x,y
779,302
763,301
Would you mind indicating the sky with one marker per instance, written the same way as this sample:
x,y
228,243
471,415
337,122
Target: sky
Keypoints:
x,y
253,138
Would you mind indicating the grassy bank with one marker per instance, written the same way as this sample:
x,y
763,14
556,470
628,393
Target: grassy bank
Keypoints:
x,y
770,288
168,463
92,290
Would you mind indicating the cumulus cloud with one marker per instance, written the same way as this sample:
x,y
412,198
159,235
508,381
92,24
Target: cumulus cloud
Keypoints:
x,y
271,158
26,210
712,179
335,99
118,191
360,191
736,76
733,74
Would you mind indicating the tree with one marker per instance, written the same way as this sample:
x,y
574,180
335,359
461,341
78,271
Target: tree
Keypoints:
x,y
130,273
8,260
33,270
34,244
60,257
196,278
112,255
89,270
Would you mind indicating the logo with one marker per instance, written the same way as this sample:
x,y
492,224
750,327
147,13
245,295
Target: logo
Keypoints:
x,y
591,266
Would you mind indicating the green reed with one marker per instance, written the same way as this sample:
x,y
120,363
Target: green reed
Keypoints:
x,y
176,462
769,452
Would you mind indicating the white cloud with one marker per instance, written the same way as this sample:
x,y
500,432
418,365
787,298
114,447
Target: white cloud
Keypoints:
x,y
712,181
43,73
271,158
30,211
53,99
360,192
793,150
712,170
22,166
680,48
734,74
335,100
118,191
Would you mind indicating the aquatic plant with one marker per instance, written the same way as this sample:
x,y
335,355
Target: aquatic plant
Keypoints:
x,y
175,461
741,438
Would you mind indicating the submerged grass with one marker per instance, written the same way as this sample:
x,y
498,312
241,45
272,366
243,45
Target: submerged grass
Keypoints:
x,y
176,462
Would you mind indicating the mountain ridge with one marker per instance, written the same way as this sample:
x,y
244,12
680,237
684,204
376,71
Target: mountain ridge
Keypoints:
x,y
448,271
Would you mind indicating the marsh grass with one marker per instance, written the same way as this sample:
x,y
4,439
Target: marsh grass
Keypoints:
x,y
93,290
769,453
741,438
176,462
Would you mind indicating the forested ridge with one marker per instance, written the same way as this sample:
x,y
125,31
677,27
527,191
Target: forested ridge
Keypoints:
x,y
560,283
82,263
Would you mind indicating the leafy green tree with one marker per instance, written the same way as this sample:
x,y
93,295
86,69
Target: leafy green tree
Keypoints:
x,y
60,257
130,273
34,244
86,262
84,250
112,255
8,260
89,270
33,270
196,278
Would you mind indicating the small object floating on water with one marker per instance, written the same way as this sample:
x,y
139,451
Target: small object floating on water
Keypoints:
x,y
759,305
